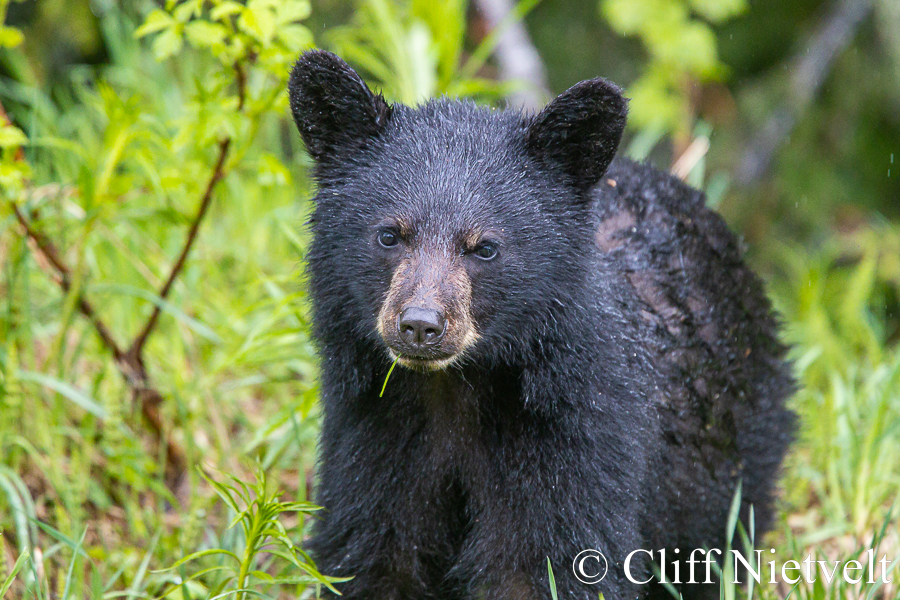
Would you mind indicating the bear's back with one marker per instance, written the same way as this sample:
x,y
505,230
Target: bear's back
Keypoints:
x,y
710,331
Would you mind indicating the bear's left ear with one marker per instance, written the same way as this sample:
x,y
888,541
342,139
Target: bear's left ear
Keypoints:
x,y
333,108
579,131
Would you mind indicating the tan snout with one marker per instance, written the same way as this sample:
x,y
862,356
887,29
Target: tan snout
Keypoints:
x,y
425,319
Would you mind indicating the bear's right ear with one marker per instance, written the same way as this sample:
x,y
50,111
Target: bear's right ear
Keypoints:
x,y
333,108
578,133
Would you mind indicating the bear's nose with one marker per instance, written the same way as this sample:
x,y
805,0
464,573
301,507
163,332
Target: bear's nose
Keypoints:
x,y
420,326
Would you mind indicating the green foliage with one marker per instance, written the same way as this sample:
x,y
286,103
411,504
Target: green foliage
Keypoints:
x,y
110,167
682,49
793,549
397,47
237,571
7,583
13,172
10,37
838,303
412,50
552,579
269,30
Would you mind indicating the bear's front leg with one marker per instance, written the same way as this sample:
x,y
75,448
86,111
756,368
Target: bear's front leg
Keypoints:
x,y
547,496
382,521
510,562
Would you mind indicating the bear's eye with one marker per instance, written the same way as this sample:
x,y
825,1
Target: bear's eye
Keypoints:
x,y
485,250
388,239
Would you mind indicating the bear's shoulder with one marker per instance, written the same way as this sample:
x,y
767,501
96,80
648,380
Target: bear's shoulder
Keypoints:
x,y
692,301
652,208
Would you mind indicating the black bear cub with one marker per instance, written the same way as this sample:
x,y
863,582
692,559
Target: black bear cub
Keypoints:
x,y
584,361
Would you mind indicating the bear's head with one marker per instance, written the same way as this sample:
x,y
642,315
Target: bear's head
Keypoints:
x,y
448,232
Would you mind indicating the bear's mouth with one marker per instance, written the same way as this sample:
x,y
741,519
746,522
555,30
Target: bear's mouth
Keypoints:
x,y
425,364
435,357
433,362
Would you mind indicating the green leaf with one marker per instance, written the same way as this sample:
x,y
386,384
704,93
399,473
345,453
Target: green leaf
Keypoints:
x,y
271,172
188,10
295,37
13,174
166,307
12,574
238,592
157,20
733,514
12,137
655,103
21,506
388,376
66,390
289,12
61,537
259,21
625,16
225,10
78,549
263,576
718,11
225,494
168,43
447,23
694,49
203,34
552,580
422,62
10,37
201,554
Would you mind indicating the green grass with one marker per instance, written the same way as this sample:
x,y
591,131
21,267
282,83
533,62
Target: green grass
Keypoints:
x,y
114,169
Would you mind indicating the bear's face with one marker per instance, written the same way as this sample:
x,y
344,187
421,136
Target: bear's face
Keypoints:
x,y
442,221
450,224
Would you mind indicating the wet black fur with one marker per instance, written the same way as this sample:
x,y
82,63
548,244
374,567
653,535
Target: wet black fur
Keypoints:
x,y
621,385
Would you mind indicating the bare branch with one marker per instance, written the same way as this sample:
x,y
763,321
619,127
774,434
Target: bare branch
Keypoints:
x,y
811,67
49,252
517,58
218,173
131,362
130,366
241,79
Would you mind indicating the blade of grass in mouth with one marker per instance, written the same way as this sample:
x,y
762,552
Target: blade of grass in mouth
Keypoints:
x,y
388,376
